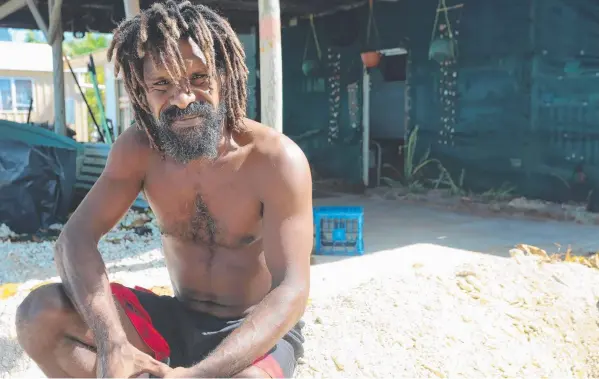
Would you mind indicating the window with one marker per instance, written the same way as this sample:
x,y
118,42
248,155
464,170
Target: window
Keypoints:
x,y
15,94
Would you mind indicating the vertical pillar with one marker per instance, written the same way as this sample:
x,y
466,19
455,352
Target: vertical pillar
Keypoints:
x,y
271,64
131,8
55,25
112,99
365,126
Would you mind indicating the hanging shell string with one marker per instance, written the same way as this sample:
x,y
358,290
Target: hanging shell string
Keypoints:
x,y
334,65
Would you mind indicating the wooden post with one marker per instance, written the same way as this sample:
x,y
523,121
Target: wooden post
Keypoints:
x,y
55,25
10,7
131,8
41,24
271,64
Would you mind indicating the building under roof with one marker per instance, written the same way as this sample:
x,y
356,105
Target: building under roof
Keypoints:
x,y
26,56
53,17
102,16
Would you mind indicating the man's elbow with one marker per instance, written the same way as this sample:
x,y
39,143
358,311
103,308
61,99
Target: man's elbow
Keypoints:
x,y
297,292
68,242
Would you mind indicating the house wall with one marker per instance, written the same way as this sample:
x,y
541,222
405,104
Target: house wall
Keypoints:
x,y
43,102
473,112
526,101
316,109
518,107
43,110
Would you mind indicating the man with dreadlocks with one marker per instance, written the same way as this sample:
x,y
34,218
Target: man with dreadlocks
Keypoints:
x,y
232,198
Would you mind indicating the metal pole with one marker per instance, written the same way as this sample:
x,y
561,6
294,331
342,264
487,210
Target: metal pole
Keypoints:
x,y
59,105
365,126
271,64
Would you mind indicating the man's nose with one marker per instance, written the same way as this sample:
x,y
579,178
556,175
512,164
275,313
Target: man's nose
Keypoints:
x,y
182,97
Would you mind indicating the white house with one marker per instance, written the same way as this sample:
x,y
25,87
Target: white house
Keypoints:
x,y
26,87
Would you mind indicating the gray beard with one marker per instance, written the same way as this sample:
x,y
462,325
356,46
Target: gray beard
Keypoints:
x,y
187,144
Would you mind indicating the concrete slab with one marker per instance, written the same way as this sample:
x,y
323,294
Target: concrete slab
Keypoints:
x,y
391,224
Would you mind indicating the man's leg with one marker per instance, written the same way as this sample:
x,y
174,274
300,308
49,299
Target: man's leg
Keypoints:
x,y
54,335
253,372
281,361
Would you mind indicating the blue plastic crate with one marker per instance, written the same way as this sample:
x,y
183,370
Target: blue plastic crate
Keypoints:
x,y
338,230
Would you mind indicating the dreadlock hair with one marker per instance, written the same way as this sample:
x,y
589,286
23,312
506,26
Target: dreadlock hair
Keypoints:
x,y
156,32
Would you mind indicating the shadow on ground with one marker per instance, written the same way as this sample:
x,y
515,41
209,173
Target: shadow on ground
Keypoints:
x,y
391,224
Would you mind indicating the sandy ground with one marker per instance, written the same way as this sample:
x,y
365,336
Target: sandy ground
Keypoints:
x,y
421,310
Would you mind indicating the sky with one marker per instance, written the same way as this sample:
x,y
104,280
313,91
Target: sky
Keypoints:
x,y
18,35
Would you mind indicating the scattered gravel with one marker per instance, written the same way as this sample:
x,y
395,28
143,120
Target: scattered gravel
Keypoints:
x,y
418,311
135,234
474,317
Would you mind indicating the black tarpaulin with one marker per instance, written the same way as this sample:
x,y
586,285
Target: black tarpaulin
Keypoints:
x,y
36,184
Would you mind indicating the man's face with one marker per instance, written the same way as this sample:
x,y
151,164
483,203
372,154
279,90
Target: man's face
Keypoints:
x,y
189,117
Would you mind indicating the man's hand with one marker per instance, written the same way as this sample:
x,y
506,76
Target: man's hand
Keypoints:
x,y
126,361
180,372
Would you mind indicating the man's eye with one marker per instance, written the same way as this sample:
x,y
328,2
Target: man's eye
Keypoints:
x,y
199,76
161,83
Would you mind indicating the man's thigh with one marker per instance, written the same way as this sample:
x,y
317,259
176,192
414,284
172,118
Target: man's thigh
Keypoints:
x,y
147,313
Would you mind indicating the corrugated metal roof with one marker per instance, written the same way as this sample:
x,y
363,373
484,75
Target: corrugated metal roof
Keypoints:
x,y
22,56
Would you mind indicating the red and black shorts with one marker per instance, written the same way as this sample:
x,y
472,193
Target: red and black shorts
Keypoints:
x,y
183,337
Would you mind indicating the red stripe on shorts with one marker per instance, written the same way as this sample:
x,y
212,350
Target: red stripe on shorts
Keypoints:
x,y
270,365
141,320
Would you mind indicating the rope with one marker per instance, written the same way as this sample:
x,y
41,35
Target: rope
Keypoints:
x,y
312,33
441,7
371,20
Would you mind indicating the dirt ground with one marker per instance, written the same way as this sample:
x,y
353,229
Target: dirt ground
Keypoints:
x,y
436,295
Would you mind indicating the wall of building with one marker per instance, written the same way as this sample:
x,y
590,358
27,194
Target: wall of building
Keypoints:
x,y
43,110
317,113
43,102
518,106
525,108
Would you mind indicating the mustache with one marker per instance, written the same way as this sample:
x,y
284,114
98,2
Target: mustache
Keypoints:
x,y
195,109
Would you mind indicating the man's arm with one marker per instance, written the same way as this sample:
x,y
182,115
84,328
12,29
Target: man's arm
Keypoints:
x,y
78,260
286,185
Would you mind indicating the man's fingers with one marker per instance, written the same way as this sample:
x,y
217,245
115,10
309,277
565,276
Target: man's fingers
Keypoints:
x,y
156,367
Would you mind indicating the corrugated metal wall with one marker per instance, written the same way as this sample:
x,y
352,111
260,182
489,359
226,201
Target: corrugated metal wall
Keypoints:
x,y
474,112
317,113
565,96
520,104
249,47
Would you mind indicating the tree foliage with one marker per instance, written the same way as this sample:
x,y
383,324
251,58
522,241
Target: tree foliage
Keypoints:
x,y
86,45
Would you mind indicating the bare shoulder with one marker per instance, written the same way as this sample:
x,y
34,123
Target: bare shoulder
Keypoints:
x,y
129,153
134,139
271,147
276,160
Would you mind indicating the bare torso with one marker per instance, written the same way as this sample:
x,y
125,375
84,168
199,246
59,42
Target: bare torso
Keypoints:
x,y
211,224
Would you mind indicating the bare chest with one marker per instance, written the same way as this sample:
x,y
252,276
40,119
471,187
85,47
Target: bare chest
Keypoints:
x,y
214,211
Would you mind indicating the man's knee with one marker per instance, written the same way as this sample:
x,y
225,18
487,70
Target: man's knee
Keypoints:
x,y
253,372
42,312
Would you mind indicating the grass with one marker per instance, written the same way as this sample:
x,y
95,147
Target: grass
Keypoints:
x,y
412,179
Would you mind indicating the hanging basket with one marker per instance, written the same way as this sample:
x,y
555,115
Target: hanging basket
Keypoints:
x,y
442,50
311,67
371,59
